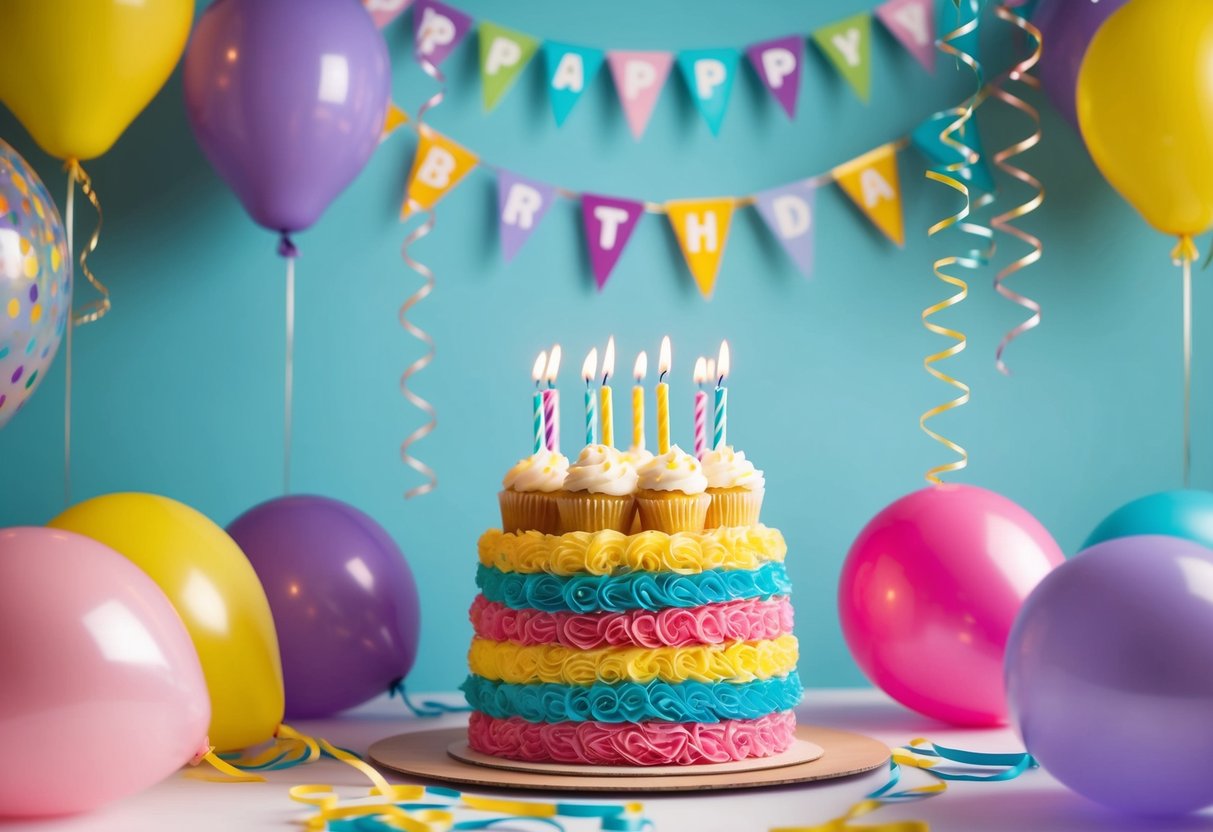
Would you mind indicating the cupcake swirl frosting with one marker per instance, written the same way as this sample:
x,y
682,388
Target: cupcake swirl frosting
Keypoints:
x,y
601,469
639,457
543,471
675,470
726,468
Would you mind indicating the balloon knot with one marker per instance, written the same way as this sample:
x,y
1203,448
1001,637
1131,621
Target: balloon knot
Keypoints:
x,y
286,246
1185,249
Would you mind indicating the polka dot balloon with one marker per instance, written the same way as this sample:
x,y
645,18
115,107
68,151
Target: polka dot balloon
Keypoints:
x,y
35,282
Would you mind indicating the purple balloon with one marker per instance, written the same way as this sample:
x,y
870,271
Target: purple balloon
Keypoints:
x,y
1066,28
343,599
1110,674
287,99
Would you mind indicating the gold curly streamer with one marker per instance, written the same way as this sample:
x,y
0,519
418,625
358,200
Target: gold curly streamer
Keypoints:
x,y
421,363
1002,222
96,309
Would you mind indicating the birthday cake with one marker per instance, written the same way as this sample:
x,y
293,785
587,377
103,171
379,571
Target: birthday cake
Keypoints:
x,y
598,643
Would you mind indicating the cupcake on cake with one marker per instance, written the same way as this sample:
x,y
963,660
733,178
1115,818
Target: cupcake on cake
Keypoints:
x,y
735,486
672,496
528,498
598,492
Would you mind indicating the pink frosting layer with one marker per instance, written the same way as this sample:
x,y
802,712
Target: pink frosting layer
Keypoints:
x,y
747,620
632,744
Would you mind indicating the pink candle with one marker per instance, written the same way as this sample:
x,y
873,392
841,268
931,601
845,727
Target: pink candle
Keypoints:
x,y
700,376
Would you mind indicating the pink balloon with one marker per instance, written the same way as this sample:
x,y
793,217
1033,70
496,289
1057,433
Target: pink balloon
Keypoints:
x,y
101,691
929,592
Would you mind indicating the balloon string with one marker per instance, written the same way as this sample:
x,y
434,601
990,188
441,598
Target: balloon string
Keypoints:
x,y
1187,334
421,363
286,249
69,215
1002,222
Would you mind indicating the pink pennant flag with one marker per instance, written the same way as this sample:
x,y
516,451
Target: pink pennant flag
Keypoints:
x,y
384,12
912,22
639,77
609,223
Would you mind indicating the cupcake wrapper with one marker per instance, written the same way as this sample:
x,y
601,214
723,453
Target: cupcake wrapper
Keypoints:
x,y
734,507
529,511
583,512
672,513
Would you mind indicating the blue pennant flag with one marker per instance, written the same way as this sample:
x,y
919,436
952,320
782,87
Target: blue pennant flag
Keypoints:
x,y
709,75
570,69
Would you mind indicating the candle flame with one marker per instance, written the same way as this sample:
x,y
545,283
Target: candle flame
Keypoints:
x,y
722,362
553,368
608,360
711,370
641,368
589,368
664,360
700,373
541,364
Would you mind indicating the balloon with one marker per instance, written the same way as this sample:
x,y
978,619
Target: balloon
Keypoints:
x,y
1187,514
1145,107
1066,29
35,282
216,592
929,591
101,693
76,74
344,602
287,99
1110,674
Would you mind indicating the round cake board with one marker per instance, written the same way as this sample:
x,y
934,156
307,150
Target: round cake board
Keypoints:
x,y
425,754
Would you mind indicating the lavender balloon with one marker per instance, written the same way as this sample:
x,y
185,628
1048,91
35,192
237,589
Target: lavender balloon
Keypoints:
x,y
1110,674
287,100
344,602
1066,28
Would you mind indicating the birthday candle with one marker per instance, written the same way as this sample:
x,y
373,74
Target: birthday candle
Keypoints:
x,y
699,376
608,404
541,364
588,370
720,415
551,401
639,370
663,398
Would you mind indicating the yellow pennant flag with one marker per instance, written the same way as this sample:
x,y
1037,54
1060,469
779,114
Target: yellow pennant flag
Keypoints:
x,y
438,166
395,118
871,182
702,227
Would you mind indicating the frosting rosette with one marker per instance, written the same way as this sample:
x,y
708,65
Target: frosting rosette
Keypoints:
x,y
607,552
624,744
675,470
748,620
739,661
541,471
600,469
726,468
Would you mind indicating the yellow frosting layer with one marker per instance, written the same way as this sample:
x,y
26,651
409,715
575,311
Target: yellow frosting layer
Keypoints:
x,y
606,552
739,661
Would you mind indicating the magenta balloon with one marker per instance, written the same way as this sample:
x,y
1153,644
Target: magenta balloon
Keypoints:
x,y
929,592
1110,674
344,602
287,99
1066,28
101,691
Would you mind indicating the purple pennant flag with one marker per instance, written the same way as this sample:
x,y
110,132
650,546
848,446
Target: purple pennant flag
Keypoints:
x,y
788,212
437,30
521,206
609,223
777,63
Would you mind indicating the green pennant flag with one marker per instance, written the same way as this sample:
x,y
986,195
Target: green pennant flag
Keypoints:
x,y
504,53
848,45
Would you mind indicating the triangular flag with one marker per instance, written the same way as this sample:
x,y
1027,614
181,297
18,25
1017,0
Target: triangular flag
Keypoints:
x,y
872,184
702,228
394,118
438,166
926,138
570,70
437,30
384,12
848,45
639,77
788,212
777,63
504,53
609,223
709,75
521,205
912,22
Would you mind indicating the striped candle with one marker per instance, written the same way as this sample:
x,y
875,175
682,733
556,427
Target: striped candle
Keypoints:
x,y
720,414
701,422
664,362
608,398
537,371
591,417
639,370
551,401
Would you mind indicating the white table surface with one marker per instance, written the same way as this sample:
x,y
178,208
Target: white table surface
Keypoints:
x,y
1033,802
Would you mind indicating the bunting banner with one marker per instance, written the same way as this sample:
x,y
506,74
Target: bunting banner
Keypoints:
x,y
848,45
788,212
393,121
912,23
872,184
438,167
384,12
702,228
521,206
709,75
570,69
639,77
437,30
609,223
777,63
504,53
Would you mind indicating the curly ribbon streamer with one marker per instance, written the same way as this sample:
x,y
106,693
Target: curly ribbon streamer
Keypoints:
x,y
1182,255
421,363
426,708
95,310
1002,222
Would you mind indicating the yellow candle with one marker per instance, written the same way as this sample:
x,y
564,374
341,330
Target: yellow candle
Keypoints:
x,y
639,370
606,404
663,398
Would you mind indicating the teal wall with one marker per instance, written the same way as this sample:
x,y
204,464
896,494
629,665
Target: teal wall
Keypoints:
x,y
178,390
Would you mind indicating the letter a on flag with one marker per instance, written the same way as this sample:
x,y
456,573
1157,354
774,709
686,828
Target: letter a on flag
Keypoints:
x,y
437,168
872,184
609,224
702,227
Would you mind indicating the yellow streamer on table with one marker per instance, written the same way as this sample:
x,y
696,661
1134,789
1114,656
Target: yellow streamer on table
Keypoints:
x,y
1002,222
421,363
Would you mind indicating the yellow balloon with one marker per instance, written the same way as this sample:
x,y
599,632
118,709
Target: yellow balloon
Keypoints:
x,y
215,591
1145,106
77,72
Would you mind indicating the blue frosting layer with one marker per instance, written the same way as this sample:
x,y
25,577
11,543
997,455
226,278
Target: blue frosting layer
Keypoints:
x,y
634,590
632,701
